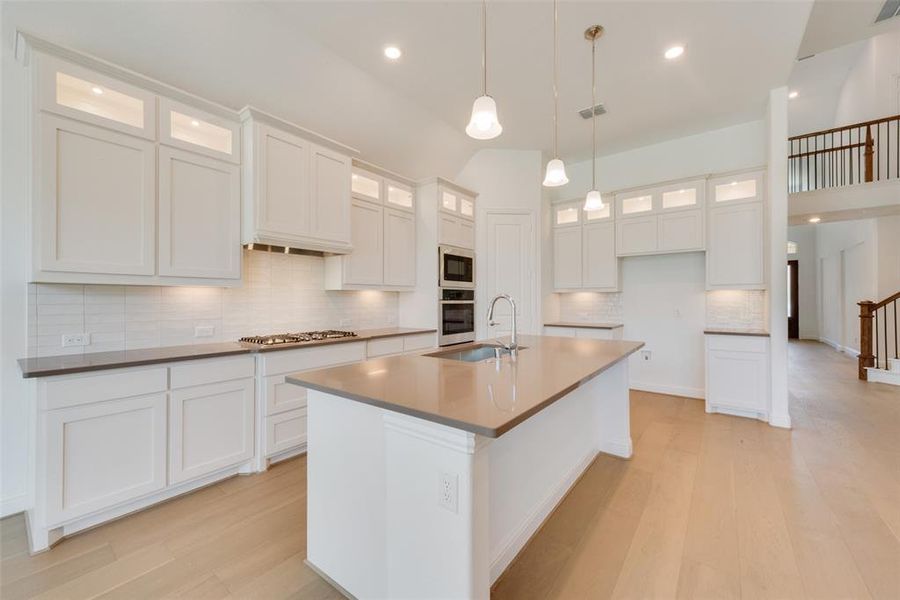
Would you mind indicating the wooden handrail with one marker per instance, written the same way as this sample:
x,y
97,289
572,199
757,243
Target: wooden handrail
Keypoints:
x,y
845,127
885,302
825,150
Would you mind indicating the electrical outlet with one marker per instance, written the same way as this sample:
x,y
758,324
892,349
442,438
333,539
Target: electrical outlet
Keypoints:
x,y
448,491
76,339
204,331
645,355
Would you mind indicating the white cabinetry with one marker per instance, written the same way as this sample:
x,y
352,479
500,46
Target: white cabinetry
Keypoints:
x,y
296,186
593,333
737,375
584,251
456,218
735,257
383,225
104,177
661,219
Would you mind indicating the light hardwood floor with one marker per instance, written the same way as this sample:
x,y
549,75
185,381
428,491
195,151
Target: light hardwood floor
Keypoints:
x,y
709,507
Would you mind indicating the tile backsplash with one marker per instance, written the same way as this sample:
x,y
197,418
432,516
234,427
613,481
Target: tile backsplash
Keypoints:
x,y
736,309
279,293
587,307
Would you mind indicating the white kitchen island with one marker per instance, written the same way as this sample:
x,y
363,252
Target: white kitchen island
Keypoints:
x,y
427,475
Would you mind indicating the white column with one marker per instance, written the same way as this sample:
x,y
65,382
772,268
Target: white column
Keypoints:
x,y
779,415
437,510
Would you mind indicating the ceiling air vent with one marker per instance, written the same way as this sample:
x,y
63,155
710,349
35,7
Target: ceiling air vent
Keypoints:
x,y
599,109
890,9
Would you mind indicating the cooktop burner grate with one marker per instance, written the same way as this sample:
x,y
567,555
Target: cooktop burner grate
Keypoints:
x,y
297,338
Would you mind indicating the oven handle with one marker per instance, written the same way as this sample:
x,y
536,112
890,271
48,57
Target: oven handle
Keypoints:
x,y
457,302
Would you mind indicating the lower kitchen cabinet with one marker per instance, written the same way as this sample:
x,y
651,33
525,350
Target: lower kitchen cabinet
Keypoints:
x,y
211,427
737,375
285,431
101,454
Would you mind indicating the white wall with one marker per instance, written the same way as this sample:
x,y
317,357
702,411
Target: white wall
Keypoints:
x,y
888,229
871,89
506,180
808,305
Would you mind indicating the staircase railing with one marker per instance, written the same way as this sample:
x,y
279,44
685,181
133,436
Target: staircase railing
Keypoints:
x,y
877,333
858,153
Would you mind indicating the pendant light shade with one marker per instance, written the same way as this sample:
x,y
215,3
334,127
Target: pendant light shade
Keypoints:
x,y
556,170
484,124
593,200
556,174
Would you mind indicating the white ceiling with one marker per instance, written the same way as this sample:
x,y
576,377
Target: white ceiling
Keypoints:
x,y
320,65
836,23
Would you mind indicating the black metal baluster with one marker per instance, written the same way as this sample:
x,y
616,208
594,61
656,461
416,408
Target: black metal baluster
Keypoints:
x,y
875,328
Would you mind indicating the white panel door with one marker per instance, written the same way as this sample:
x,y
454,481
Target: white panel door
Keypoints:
x,y
735,253
636,235
103,454
211,427
681,231
600,266
511,263
329,195
365,265
199,216
282,199
97,209
399,247
567,258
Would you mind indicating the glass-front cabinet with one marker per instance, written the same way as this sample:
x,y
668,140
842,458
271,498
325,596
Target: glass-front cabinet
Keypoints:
x,y
365,185
197,131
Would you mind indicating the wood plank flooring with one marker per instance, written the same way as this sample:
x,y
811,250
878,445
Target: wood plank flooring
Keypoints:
x,y
709,507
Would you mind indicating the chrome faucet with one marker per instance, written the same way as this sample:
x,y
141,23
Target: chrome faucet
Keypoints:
x,y
491,322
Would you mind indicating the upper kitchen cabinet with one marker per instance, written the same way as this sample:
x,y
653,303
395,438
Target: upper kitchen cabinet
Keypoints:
x,y
116,200
456,216
735,256
661,219
297,186
584,248
383,234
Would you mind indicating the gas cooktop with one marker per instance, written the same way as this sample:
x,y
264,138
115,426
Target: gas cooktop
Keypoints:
x,y
297,338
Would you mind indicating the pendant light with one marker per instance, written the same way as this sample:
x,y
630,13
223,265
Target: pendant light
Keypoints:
x,y
484,124
593,200
556,170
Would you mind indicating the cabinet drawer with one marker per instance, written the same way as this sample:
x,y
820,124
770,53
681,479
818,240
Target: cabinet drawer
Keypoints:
x,y
420,341
288,361
72,390
282,396
210,371
384,346
560,331
738,343
104,454
285,431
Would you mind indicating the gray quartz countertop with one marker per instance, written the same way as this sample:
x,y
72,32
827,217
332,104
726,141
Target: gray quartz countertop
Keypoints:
x,y
46,366
587,325
732,331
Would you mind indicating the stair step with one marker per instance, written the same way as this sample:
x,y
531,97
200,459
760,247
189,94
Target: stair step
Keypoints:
x,y
894,365
883,376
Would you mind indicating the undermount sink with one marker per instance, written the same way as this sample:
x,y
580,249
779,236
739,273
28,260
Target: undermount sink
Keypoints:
x,y
473,352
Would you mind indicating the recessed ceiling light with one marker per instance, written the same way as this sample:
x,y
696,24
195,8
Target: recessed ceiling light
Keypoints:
x,y
97,90
793,94
674,52
392,52
195,123
815,219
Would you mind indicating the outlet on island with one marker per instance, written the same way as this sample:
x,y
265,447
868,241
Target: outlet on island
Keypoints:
x,y
448,494
70,340
645,355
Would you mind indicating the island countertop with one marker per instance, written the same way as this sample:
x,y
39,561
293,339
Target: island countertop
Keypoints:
x,y
480,397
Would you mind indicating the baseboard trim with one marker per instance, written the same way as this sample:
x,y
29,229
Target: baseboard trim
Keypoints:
x,y
839,348
14,505
620,449
671,390
516,541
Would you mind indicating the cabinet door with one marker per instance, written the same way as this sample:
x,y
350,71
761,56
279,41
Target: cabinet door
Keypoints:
x,y
282,396
567,258
103,454
600,266
329,195
365,265
186,127
681,231
282,192
285,431
199,216
735,253
594,334
366,185
399,195
466,234
737,379
399,248
97,206
449,233
211,428
636,235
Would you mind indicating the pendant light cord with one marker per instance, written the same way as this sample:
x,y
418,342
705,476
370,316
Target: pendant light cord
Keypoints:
x,y
484,48
593,114
555,80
